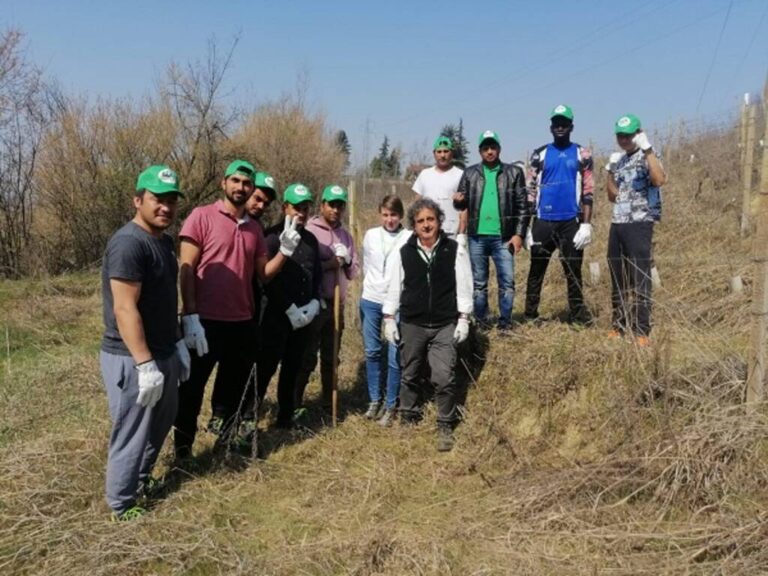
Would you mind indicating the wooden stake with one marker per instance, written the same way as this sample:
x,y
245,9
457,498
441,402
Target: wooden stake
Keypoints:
x,y
336,343
757,368
749,160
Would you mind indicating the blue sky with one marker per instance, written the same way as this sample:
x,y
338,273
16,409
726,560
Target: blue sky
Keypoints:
x,y
405,69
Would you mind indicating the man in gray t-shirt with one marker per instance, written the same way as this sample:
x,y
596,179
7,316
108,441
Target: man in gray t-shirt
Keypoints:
x,y
141,360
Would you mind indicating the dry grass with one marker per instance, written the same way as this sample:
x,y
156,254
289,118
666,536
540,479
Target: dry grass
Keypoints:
x,y
577,455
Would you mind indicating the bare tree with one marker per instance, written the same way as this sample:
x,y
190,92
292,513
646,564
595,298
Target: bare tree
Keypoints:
x,y
24,112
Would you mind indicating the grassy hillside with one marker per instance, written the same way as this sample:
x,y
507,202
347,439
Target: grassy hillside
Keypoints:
x,y
578,455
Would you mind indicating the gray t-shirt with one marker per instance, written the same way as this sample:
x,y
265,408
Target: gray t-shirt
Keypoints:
x,y
135,255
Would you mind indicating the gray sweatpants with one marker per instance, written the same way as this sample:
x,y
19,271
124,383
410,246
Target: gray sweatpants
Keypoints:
x,y
137,433
435,346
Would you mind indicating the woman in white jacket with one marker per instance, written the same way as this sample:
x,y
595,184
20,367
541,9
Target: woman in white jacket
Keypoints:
x,y
378,245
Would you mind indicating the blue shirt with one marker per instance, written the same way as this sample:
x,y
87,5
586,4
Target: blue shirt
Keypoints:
x,y
558,197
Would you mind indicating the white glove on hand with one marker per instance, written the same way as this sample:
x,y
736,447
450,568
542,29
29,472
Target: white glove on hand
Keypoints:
x,y
150,384
289,237
184,359
528,239
298,320
462,331
194,334
613,160
583,236
391,332
462,241
641,141
310,311
342,252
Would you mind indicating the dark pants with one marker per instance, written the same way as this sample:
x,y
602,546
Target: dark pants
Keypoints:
x,y
284,346
321,334
435,347
549,236
629,260
231,345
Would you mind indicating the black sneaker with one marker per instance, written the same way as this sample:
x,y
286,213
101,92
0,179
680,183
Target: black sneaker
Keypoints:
x,y
445,440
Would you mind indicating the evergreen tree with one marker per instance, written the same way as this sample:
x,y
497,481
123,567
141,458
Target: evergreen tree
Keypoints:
x,y
342,143
387,163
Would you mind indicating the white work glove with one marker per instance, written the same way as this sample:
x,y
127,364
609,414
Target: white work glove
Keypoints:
x,y
613,161
583,236
341,251
298,320
310,311
194,334
462,331
641,141
150,384
289,237
184,359
391,332
528,239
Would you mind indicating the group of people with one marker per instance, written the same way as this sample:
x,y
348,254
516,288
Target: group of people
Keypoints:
x,y
254,300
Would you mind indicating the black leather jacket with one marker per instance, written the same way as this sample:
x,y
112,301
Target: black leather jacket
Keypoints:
x,y
513,201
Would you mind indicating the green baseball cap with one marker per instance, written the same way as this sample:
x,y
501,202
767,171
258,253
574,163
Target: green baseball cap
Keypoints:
x,y
627,124
296,194
241,167
334,192
264,181
442,142
562,110
488,135
159,179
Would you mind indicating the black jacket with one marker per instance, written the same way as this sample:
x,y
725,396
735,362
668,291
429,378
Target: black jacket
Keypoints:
x,y
513,200
429,288
299,279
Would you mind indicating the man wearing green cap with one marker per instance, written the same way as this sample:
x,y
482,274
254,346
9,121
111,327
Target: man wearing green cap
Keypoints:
x,y
142,356
221,250
494,195
633,186
440,182
293,301
340,264
560,192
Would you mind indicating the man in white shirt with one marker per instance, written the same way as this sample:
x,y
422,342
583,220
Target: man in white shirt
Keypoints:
x,y
440,183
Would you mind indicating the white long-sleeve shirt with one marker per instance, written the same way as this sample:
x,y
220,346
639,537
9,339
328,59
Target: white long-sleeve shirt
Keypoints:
x,y
379,246
395,274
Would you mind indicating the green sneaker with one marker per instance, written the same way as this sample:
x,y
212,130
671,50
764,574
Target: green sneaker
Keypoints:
x,y
244,437
132,513
215,425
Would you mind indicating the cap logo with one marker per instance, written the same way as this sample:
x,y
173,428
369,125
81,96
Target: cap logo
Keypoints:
x,y
269,181
301,191
559,109
623,122
167,176
337,191
489,134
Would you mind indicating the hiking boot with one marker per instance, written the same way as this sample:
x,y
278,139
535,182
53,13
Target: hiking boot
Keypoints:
x,y
132,513
388,418
374,411
215,425
445,439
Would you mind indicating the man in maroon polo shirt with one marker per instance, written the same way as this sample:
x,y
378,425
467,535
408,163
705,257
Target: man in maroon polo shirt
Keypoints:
x,y
221,249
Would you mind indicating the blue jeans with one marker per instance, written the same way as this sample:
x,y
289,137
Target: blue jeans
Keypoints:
x,y
480,249
371,318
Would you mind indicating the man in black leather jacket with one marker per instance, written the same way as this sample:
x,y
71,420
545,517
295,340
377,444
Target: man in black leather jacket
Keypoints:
x,y
494,195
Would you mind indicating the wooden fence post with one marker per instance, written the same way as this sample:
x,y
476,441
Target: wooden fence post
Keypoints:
x,y
749,161
756,373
